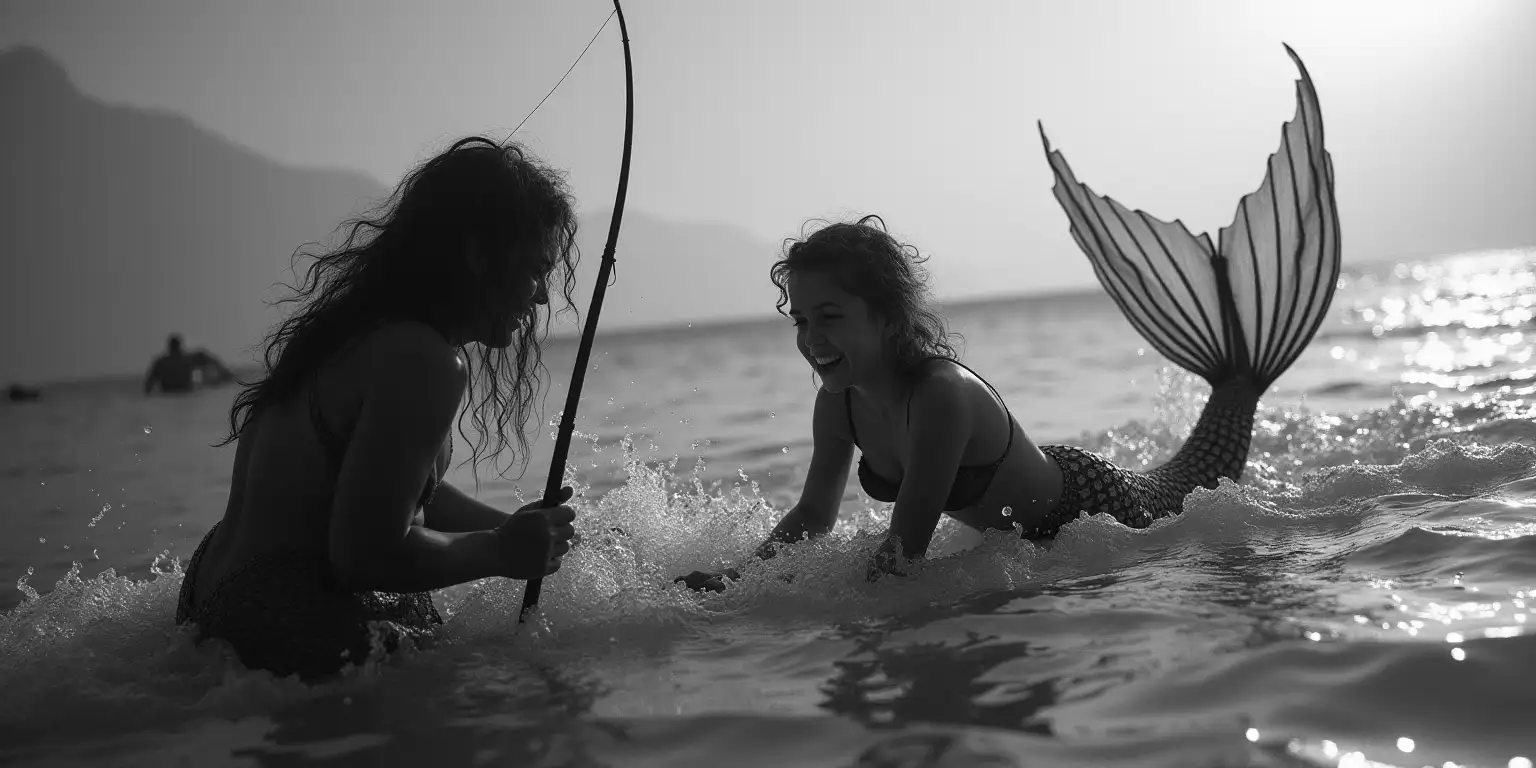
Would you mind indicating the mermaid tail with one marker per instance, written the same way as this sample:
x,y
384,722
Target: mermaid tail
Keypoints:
x,y
1238,315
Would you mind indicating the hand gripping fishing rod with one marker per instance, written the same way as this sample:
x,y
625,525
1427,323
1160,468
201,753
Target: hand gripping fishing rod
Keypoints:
x,y
584,352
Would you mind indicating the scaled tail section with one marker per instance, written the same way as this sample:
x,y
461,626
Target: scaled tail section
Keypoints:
x,y
1240,312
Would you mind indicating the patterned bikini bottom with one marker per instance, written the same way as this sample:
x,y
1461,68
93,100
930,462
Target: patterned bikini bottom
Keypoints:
x,y
283,612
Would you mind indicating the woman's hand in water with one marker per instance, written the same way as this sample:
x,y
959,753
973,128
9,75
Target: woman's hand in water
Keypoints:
x,y
888,559
535,538
707,580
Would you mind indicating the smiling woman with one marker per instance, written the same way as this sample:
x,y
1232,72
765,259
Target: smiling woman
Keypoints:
x,y
860,251
936,438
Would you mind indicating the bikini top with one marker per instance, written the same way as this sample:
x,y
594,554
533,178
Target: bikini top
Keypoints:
x,y
336,448
971,482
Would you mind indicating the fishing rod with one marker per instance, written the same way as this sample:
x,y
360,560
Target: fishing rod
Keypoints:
x,y
589,331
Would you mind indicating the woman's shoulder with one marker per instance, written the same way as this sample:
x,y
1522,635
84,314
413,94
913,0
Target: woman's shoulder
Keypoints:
x,y
944,380
411,351
943,374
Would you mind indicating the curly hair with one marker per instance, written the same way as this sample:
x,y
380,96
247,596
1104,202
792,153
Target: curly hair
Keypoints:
x,y
888,275
408,260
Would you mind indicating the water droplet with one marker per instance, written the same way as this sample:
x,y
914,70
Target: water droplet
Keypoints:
x,y
1459,654
1253,734
785,449
146,430
1405,744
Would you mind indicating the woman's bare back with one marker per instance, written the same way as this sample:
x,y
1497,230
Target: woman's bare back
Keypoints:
x,y
284,477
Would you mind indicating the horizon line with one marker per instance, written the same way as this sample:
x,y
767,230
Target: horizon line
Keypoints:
x,y
626,331
744,320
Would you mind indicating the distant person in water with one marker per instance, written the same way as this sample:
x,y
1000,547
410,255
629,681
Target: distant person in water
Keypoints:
x,y
338,517
179,371
937,439
18,393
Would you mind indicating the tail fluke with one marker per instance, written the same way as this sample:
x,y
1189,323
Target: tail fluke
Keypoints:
x,y
1249,308
1283,245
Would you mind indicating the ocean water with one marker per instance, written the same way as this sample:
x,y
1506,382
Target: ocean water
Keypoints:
x,y
1362,598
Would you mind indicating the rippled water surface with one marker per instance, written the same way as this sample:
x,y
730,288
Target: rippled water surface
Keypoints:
x,y
1363,598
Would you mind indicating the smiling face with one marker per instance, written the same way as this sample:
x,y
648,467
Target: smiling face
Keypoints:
x,y
835,330
508,309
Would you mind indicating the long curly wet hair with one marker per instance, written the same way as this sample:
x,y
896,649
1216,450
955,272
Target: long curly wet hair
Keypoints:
x,y
888,275
409,260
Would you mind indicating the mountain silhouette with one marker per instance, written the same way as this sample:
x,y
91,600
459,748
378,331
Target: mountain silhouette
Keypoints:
x,y
122,224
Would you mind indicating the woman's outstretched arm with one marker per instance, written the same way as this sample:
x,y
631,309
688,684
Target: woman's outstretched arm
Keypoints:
x,y
936,440
831,458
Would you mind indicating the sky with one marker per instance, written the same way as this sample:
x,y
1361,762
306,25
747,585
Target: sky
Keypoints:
x,y
766,114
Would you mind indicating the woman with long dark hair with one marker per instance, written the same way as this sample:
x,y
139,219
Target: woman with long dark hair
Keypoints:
x,y
338,524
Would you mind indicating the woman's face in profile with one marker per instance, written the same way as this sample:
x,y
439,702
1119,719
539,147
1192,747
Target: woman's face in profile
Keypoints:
x,y
516,304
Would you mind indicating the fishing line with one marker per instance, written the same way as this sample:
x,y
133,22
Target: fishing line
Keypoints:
x,y
567,72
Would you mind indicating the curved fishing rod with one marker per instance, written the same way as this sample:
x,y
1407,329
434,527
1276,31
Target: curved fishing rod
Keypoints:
x,y
589,331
